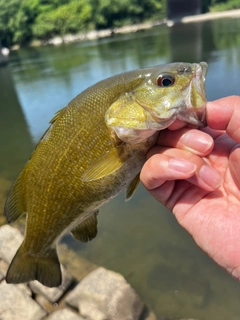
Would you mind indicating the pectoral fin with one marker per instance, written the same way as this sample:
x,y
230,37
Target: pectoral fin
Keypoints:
x,y
132,187
86,230
105,165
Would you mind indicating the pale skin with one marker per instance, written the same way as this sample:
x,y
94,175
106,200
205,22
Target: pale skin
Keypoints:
x,y
196,175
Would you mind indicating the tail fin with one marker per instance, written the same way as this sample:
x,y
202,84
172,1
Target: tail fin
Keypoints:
x,y
25,267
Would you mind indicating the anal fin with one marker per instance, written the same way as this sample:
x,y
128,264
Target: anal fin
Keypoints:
x,y
86,230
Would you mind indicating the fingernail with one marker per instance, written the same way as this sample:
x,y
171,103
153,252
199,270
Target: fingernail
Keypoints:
x,y
182,165
196,141
210,176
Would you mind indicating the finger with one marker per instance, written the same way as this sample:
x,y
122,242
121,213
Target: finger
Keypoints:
x,y
192,140
224,114
213,133
178,196
235,169
177,124
159,169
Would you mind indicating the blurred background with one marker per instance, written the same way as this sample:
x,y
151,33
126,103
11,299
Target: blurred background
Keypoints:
x,y
140,239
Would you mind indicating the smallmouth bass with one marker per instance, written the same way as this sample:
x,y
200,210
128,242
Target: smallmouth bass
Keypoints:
x,y
93,149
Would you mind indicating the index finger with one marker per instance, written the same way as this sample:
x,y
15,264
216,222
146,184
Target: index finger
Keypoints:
x,y
224,114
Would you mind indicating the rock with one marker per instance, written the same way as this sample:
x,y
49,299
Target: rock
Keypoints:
x,y
64,314
4,187
24,288
167,318
10,241
3,269
91,311
52,294
78,266
15,304
56,41
105,294
148,314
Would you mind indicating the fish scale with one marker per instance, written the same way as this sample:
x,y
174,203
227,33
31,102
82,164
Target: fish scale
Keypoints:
x,y
94,148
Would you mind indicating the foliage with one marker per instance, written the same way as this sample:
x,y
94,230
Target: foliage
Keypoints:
x,y
115,13
67,18
205,5
22,21
225,5
8,12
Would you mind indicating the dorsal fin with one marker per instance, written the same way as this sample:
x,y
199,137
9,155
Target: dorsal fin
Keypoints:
x,y
57,115
14,206
46,134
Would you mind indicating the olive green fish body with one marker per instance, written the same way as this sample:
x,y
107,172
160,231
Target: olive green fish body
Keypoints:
x,y
93,149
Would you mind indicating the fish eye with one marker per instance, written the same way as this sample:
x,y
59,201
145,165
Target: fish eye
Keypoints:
x,y
165,80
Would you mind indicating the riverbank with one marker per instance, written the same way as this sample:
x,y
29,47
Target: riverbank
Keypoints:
x,y
211,16
87,291
91,35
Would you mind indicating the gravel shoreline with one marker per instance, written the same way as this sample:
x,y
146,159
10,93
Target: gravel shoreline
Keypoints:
x,y
87,292
91,35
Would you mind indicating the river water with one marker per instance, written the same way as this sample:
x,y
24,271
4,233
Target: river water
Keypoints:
x,y
140,238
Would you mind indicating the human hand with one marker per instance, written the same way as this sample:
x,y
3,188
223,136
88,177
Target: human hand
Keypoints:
x,y
196,175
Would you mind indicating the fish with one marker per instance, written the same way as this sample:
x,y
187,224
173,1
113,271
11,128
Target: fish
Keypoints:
x,y
93,149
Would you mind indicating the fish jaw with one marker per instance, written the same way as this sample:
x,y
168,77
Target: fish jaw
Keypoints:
x,y
195,97
133,136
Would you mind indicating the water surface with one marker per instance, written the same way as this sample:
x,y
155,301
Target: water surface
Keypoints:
x,y
140,238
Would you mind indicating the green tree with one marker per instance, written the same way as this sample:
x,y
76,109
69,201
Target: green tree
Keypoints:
x,y
24,19
8,11
115,13
67,18
205,5
222,5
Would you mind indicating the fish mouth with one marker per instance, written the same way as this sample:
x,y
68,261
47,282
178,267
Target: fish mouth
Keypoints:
x,y
204,67
195,97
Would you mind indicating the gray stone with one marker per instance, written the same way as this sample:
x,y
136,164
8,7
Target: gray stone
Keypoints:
x,y
77,265
53,294
22,286
167,318
105,294
25,288
3,269
148,314
15,304
92,311
10,241
64,314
